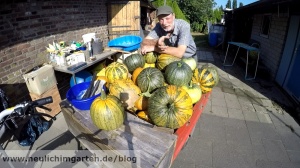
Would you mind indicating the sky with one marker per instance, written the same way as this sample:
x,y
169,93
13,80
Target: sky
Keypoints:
x,y
223,2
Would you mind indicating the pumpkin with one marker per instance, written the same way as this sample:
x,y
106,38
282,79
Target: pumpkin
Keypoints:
x,y
165,59
214,72
99,67
141,103
149,65
194,91
205,78
135,74
170,106
143,115
134,61
178,73
126,91
150,57
107,112
115,71
101,72
191,62
149,79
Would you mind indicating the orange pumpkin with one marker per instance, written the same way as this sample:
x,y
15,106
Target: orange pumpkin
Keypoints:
x,y
136,73
141,103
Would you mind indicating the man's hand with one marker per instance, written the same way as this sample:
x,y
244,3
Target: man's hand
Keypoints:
x,y
161,42
148,45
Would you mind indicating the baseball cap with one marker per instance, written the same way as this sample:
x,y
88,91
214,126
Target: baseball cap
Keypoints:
x,y
164,10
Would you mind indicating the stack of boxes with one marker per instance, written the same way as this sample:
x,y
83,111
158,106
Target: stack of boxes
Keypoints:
x,y
42,83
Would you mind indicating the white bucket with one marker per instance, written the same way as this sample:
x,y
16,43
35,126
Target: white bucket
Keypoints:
x,y
87,37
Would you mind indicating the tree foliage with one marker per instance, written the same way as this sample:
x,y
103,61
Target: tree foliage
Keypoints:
x,y
234,4
178,13
241,4
198,12
228,5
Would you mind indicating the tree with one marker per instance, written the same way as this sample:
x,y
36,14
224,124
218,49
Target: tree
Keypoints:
x,y
234,4
241,4
221,7
178,12
198,12
228,5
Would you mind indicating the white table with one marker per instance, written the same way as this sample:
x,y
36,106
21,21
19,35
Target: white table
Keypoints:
x,y
248,48
99,57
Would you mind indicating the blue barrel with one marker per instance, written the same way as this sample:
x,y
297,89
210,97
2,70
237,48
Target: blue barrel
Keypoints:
x,y
213,39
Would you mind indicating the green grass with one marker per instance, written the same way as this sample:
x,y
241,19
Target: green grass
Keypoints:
x,y
201,40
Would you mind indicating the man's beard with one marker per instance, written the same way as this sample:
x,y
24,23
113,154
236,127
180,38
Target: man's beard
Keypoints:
x,y
170,28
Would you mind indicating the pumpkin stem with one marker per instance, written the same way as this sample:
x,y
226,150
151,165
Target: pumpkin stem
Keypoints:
x,y
179,64
103,94
146,94
191,83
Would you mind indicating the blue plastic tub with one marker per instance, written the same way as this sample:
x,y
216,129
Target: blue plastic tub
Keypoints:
x,y
125,41
75,91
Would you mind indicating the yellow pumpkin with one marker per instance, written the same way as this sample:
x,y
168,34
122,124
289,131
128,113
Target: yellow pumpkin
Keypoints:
x,y
126,91
194,92
107,112
115,71
143,115
149,65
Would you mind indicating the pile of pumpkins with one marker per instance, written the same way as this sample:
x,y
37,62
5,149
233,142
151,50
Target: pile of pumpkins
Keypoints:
x,y
160,89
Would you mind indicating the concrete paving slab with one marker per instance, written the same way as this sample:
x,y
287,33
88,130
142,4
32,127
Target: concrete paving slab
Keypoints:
x,y
275,150
262,130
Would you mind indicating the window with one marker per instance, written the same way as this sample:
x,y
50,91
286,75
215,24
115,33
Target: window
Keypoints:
x,y
265,26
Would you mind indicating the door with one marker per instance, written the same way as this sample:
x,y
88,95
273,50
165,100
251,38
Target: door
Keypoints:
x,y
289,68
292,82
123,18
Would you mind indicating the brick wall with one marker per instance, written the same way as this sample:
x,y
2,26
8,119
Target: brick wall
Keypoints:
x,y
272,46
26,27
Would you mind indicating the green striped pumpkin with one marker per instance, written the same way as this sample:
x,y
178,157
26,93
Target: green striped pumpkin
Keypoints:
x,y
178,73
165,59
149,79
107,112
205,78
170,106
134,61
214,72
150,57
116,70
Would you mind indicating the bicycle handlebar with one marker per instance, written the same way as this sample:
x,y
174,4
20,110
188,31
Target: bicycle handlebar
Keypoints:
x,y
22,108
42,101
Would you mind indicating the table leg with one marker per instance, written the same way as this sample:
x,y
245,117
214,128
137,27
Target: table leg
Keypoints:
x,y
234,57
74,78
255,68
226,54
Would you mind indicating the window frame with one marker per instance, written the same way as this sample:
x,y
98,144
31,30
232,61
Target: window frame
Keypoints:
x,y
263,32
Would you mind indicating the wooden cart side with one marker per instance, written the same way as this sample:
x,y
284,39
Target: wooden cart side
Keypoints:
x,y
154,147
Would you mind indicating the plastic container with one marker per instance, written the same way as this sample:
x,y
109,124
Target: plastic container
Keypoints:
x,y
213,39
74,92
80,77
87,37
125,41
